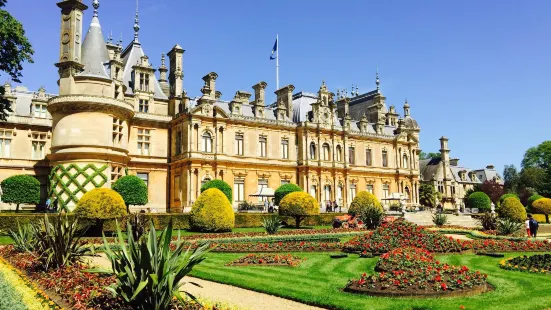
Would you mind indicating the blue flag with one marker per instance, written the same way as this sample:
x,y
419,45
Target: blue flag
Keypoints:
x,y
274,50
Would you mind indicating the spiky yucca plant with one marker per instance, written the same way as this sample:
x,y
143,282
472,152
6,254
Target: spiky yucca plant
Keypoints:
x,y
23,238
148,273
507,227
271,224
440,219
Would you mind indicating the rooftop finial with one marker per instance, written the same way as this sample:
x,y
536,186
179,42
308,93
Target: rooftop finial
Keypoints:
x,y
95,4
163,65
136,24
110,38
377,81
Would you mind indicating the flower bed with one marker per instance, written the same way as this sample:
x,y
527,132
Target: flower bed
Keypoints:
x,y
476,234
303,246
535,263
414,272
267,260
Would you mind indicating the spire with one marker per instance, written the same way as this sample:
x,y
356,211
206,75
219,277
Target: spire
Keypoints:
x,y
136,25
94,49
377,81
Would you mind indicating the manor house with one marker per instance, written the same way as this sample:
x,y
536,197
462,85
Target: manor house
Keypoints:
x,y
114,114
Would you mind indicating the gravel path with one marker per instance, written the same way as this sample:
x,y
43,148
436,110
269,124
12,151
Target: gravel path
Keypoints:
x,y
457,236
231,295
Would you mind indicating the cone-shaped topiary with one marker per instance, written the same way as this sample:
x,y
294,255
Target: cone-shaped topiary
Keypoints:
x,y
98,205
542,206
283,190
298,205
221,185
132,189
481,201
368,208
20,189
212,212
512,209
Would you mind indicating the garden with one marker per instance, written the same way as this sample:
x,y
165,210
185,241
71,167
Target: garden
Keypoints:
x,y
378,264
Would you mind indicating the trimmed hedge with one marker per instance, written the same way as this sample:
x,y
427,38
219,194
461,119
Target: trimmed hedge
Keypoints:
x,y
481,201
132,189
179,220
100,204
298,205
513,209
533,198
283,190
21,189
221,185
212,212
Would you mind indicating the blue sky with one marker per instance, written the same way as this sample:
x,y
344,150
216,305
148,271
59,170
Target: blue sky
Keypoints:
x,y
477,72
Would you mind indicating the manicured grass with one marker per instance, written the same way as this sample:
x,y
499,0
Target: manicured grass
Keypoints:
x,y
4,240
319,280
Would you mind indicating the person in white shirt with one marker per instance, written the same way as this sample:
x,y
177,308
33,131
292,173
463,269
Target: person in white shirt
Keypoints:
x,y
528,227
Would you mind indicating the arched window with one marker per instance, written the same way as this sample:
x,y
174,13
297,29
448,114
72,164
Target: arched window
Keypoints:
x,y
313,190
326,152
338,154
405,161
207,142
312,150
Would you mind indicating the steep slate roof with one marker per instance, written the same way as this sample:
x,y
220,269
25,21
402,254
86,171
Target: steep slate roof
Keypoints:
x,y
23,100
302,105
246,109
94,52
359,104
131,56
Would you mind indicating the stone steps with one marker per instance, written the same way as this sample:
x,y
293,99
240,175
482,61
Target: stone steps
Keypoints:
x,y
425,218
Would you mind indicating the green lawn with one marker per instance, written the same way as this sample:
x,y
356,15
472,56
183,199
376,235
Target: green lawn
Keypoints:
x,y
319,281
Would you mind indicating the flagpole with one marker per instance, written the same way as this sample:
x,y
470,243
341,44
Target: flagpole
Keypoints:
x,y
277,62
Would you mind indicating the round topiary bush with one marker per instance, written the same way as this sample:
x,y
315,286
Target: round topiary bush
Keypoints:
x,y
283,190
533,198
98,205
542,206
368,208
298,205
21,189
505,196
221,185
212,212
512,209
481,201
132,189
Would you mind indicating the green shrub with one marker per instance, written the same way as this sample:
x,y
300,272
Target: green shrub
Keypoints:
x,y
298,205
132,189
488,221
368,208
481,201
221,185
531,200
502,198
149,274
542,206
512,209
440,219
21,189
212,212
283,190
98,205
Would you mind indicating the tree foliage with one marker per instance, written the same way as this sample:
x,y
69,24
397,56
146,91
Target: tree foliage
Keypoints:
x,y
132,189
221,185
428,195
493,189
212,212
298,205
538,157
512,209
542,206
21,189
510,178
429,155
283,190
481,201
16,49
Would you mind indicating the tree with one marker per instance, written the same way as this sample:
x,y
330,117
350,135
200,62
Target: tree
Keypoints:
x,y
542,206
298,205
20,189
538,157
428,195
481,201
221,185
537,179
424,155
132,189
212,212
99,205
16,49
511,179
512,209
493,189
284,190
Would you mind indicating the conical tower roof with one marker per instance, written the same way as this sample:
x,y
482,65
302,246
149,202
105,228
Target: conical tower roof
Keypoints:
x,y
94,50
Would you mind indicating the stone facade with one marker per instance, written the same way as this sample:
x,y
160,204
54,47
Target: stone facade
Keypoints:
x,y
113,116
453,180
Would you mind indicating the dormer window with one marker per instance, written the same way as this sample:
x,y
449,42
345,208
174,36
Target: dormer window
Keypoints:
x,y
144,106
144,81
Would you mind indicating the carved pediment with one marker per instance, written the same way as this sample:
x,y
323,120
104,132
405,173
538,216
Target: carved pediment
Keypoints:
x,y
240,173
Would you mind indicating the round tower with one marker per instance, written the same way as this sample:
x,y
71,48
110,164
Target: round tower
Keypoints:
x,y
90,125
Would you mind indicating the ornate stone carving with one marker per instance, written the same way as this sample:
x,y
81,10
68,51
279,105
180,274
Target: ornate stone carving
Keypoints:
x,y
80,103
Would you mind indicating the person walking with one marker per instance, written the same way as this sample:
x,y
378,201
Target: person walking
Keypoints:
x,y
327,206
534,225
527,223
266,205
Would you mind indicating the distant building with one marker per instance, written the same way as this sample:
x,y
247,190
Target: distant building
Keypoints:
x,y
452,180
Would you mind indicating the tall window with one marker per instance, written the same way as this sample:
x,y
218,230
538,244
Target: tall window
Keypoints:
x,y
5,143
285,149
144,105
39,110
352,193
238,189
338,154
262,183
339,193
385,158
312,150
327,193
351,155
441,187
178,142
144,81
385,190
405,161
207,142
117,131
368,157
144,136
145,177
263,146
313,190
38,144
239,144
325,152
116,173
370,188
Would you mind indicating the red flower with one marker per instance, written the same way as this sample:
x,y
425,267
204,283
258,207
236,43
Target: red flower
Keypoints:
x,y
444,286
